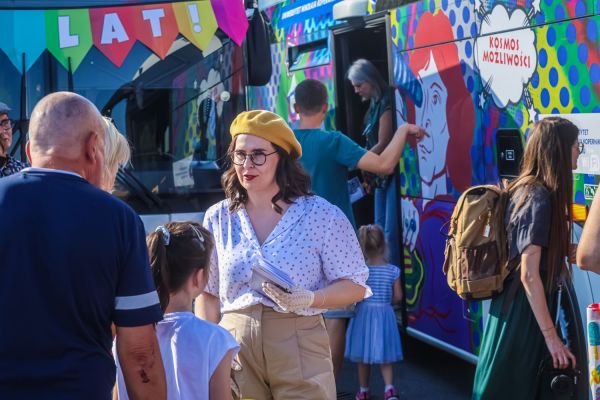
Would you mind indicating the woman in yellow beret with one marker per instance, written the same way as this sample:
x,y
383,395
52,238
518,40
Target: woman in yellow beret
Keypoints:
x,y
282,257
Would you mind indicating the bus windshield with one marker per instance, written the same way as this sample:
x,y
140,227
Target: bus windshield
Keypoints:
x,y
174,111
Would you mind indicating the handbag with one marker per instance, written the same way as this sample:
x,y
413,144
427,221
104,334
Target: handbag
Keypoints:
x,y
553,383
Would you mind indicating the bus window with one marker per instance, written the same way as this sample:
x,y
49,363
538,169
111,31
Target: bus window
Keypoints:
x,y
174,114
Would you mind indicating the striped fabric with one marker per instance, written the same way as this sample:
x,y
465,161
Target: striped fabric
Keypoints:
x,y
381,279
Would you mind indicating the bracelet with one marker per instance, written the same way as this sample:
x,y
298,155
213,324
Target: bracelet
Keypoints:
x,y
546,330
322,301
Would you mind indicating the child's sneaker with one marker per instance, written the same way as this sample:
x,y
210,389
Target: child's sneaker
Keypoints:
x,y
391,395
362,396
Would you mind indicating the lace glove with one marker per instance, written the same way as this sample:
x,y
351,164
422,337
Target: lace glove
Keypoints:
x,y
289,302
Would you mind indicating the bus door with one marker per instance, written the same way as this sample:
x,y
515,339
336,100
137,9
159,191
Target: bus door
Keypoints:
x,y
368,39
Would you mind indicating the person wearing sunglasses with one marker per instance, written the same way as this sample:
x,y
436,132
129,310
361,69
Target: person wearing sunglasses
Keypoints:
x,y
270,213
8,164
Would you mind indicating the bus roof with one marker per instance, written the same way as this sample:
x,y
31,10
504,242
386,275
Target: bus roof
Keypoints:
x,y
49,4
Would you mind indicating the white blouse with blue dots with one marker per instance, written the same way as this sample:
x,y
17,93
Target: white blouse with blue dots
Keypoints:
x,y
313,242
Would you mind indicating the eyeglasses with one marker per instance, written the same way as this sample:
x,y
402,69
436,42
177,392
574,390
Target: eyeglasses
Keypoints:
x,y
7,123
580,146
258,158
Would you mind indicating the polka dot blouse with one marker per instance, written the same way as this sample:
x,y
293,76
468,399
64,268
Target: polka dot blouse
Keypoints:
x,y
313,242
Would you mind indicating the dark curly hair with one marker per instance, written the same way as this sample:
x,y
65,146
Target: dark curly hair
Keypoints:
x,y
291,178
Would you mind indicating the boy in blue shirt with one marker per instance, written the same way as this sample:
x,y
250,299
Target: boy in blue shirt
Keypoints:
x,y
328,156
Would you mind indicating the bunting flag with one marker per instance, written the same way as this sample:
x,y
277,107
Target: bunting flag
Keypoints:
x,y
110,32
196,21
156,27
231,20
27,28
69,34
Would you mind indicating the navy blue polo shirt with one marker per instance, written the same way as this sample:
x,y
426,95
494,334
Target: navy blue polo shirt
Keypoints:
x,y
73,259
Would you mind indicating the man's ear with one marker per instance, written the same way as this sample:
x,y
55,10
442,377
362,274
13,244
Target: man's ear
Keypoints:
x,y
28,152
91,147
296,108
325,108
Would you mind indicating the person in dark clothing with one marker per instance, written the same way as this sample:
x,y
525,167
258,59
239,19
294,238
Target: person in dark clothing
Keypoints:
x,y
520,330
378,132
8,164
74,261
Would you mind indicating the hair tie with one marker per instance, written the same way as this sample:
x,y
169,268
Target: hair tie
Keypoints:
x,y
166,236
200,237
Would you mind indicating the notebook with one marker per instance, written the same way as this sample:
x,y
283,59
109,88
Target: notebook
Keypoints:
x,y
264,271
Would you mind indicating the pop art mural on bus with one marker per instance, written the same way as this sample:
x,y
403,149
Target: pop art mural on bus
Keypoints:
x,y
292,27
434,89
488,65
482,78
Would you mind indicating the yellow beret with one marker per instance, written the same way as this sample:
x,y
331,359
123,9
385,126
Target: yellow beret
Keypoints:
x,y
268,126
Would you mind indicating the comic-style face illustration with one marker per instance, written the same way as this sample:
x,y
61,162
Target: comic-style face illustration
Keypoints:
x,y
432,116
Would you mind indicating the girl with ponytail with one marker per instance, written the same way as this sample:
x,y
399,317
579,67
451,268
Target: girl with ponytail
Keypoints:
x,y
197,354
372,336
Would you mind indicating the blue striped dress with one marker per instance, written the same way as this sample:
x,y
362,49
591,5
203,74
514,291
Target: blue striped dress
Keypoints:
x,y
372,336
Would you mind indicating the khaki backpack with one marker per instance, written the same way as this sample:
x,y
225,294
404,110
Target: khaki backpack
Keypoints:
x,y
476,249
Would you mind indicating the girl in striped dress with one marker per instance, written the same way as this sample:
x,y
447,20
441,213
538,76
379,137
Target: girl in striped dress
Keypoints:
x,y
372,336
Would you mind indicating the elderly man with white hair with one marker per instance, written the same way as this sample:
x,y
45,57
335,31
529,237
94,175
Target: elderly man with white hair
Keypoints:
x,y
74,260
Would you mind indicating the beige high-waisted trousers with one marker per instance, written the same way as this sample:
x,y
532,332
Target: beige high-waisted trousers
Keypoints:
x,y
283,356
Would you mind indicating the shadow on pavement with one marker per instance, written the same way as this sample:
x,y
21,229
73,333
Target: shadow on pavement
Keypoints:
x,y
426,373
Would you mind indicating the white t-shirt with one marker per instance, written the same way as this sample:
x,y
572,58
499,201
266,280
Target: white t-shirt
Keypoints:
x,y
191,350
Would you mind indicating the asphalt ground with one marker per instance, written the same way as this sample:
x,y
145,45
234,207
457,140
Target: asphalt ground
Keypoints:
x,y
426,373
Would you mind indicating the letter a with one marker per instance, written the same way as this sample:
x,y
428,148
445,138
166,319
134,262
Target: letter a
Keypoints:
x,y
113,29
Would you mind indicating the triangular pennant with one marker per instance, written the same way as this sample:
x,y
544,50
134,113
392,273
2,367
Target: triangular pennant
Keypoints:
x,y
8,45
69,35
156,27
110,33
30,35
196,21
231,18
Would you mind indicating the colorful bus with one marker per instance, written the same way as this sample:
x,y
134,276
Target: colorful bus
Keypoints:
x,y
476,74
172,75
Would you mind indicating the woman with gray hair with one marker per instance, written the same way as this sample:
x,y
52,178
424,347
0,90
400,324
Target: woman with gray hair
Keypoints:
x,y
370,86
363,71
116,153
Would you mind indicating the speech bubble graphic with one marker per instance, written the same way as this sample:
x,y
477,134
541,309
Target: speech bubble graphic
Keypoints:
x,y
505,54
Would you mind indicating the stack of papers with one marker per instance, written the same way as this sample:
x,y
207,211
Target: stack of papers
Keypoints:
x,y
264,271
